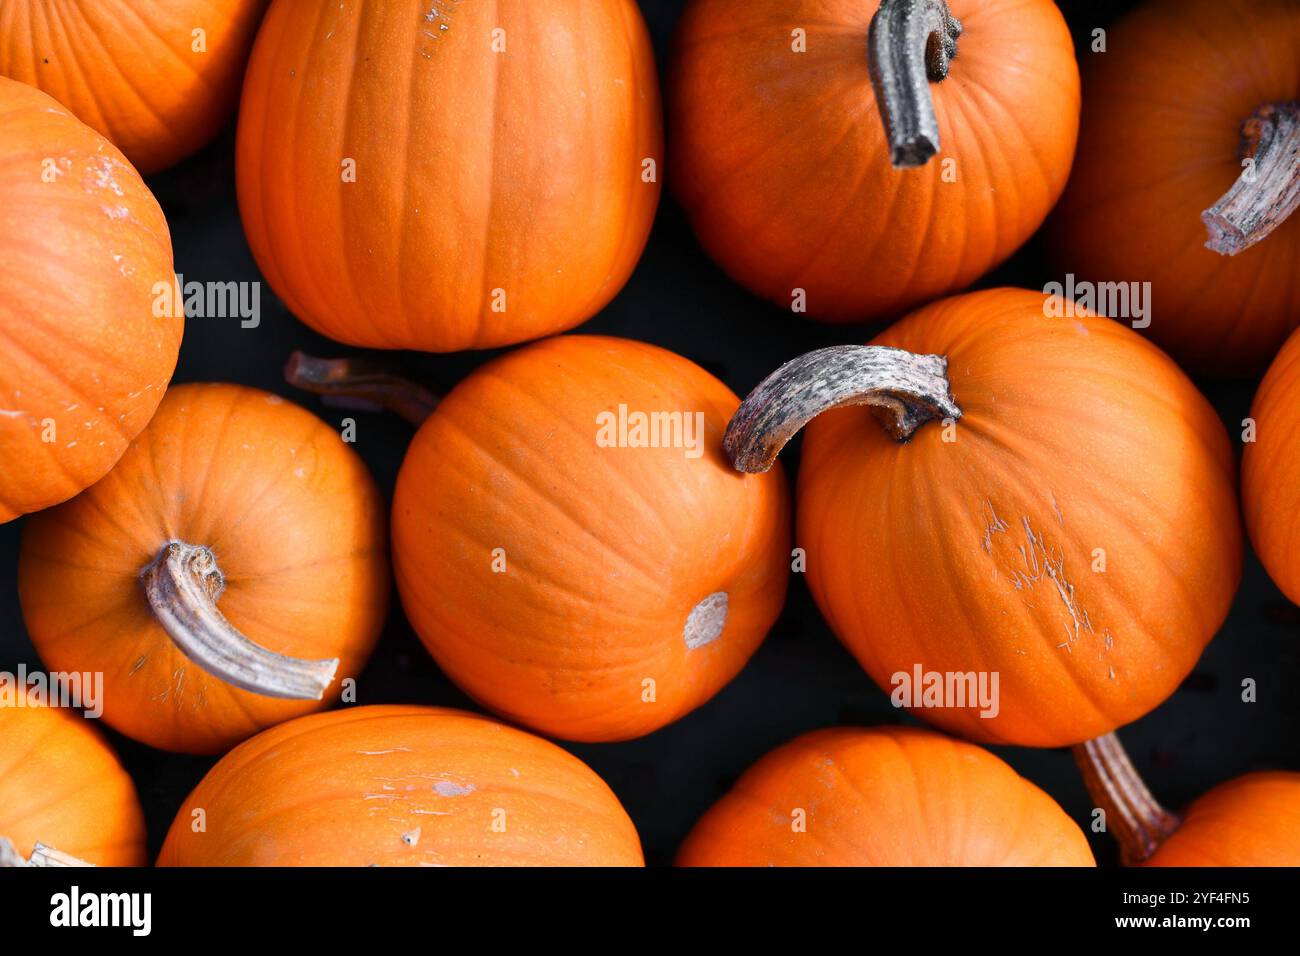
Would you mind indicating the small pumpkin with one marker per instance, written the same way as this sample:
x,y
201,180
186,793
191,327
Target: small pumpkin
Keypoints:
x,y
570,542
84,359
1253,820
449,176
804,130
401,786
158,78
1045,501
50,752
884,796
1185,94
225,576
1270,471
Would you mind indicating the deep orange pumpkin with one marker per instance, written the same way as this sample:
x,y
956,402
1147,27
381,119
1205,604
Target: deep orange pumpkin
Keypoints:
x,y
158,78
443,176
84,360
1253,820
281,532
401,786
1162,140
61,785
566,576
782,162
1270,471
884,797
1066,520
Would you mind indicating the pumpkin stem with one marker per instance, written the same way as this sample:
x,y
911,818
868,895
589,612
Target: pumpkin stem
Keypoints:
x,y
1268,190
42,855
904,391
909,45
183,585
357,378
1140,824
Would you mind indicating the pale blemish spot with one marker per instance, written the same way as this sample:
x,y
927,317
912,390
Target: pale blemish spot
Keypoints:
x,y
705,622
449,788
411,837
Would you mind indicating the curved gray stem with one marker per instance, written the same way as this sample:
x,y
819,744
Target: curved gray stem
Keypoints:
x,y
182,585
909,45
1266,194
904,390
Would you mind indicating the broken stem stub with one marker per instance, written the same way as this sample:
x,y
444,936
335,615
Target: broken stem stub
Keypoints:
x,y
1133,816
1268,190
42,855
904,391
910,44
182,585
355,378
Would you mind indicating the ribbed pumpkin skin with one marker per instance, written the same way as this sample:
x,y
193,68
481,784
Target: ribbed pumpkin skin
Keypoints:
x,y
607,549
402,786
476,171
129,69
978,554
297,527
61,784
884,797
1250,821
1162,116
83,359
780,157
1270,471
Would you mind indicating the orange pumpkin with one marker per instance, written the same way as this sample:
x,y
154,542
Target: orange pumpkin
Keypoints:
x,y
225,576
565,574
49,753
1270,471
158,78
84,359
1049,504
801,180
570,542
1253,820
887,796
401,786
1184,93
443,176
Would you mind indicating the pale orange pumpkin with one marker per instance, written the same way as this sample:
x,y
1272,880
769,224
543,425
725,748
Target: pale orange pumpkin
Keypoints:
x,y
799,191
1253,820
444,176
1270,471
884,796
1184,93
226,575
159,78
401,786
1043,500
84,356
63,791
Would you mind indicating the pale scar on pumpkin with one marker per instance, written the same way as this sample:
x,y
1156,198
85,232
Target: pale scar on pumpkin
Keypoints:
x,y
1038,560
705,622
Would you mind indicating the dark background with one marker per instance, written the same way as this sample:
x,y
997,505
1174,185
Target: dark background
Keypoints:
x,y
801,679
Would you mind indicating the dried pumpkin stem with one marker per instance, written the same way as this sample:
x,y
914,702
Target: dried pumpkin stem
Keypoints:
x,y
910,44
183,585
1137,821
368,381
1268,190
42,855
903,390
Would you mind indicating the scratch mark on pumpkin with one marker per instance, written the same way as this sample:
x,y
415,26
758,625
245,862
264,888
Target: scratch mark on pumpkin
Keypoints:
x,y
992,524
1042,561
